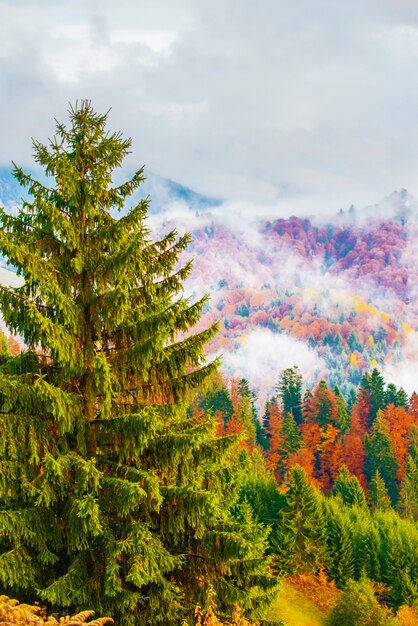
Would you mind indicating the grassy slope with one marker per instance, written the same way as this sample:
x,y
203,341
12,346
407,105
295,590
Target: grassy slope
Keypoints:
x,y
303,601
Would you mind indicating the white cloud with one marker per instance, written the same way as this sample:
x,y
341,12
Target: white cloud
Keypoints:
x,y
10,279
302,106
262,355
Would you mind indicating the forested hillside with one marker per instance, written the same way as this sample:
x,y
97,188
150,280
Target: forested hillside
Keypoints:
x,y
139,481
344,497
340,296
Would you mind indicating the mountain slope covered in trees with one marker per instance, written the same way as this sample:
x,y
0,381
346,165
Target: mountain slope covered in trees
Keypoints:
x,y
160,490
338,294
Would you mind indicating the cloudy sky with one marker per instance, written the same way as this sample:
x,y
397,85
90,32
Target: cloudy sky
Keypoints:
x,y
301,105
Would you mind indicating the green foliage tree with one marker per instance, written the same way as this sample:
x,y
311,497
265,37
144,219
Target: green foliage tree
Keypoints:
x,y
259,488
324,409
400,572
353,343
390,395
366,544
380,455
300,540
344,419
4,349
402,398
358,606
216,399
413,443
408,493
398,557
373,385
292,438
340,557
351,400
112,496
378,493
289,389
348,489
255,428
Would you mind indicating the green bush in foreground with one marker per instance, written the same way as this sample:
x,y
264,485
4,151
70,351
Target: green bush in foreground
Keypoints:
x,y
358,606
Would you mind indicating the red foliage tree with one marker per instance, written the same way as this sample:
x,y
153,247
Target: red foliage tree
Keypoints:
x,y
400,424
352,449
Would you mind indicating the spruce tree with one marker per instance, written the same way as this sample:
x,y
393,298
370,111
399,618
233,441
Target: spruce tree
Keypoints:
x,y
378,493
300,541
292,439
352,398
340,557
401,565
408,493
402,398
289,389
348,488
344,419
373,386
380,455
245,391
366,545
390,395
358,606
112,496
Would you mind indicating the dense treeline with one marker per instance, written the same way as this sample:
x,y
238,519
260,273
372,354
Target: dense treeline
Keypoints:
x,y
342,494
373,433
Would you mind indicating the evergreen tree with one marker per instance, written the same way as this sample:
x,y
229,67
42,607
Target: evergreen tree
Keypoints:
x,y
374,387
408,493
352,398
256,428
390,395
259,488
401,566
324,405
340,559
292,439
300,541
344,420
289,389
348,489
5,352
358,606
380,455
353,343
265,420
378,493
338,344
402,398
274,427
217,399
366,545
113,497
413,442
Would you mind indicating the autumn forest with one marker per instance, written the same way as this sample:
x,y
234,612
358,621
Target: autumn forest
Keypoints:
x,y
142,475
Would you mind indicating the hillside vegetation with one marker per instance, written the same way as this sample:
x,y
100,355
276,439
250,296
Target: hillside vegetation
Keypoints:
x,y
139,482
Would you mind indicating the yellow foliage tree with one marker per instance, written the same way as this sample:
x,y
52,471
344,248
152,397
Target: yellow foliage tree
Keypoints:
x,y
407,616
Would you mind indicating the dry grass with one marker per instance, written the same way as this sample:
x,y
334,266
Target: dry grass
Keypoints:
x,y
304,600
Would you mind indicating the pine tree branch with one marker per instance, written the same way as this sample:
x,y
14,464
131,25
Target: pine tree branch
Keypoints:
x,y
25,300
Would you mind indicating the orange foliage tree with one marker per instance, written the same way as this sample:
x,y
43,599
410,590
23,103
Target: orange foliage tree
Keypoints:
x,y
400,424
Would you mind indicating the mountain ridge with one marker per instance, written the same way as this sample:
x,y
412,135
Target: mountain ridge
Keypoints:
x,y
335,296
